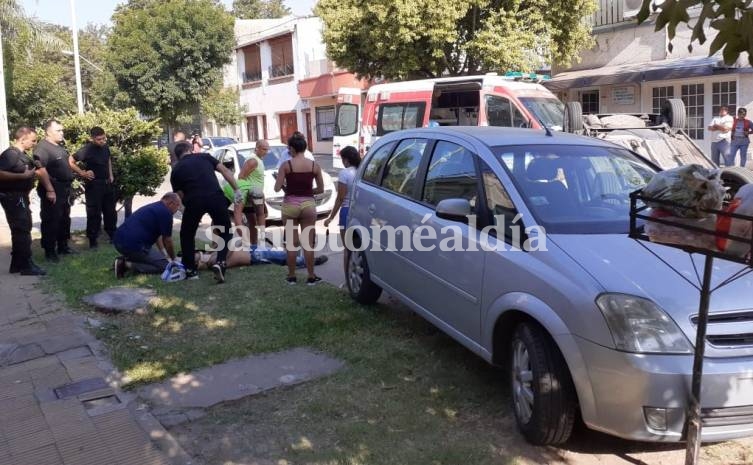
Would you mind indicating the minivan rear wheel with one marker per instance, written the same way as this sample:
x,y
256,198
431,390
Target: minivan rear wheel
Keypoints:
x,y
358,279
543,396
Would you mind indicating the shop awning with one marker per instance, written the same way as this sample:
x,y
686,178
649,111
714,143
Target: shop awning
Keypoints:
x,y
660,70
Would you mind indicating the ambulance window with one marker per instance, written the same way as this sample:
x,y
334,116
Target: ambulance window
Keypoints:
x,y
397,116
347,119
502,112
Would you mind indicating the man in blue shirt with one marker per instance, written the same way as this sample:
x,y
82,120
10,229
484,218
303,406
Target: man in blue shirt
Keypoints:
x,y
136,237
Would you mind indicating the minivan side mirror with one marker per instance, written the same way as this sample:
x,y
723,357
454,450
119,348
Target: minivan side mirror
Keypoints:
x,y
454,210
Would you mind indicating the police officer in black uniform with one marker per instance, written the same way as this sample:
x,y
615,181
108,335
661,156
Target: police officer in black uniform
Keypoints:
x,y
52,159
100,195
16,181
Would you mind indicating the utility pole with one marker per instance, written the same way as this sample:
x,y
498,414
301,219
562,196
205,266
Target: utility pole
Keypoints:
x,y
4,139
76,61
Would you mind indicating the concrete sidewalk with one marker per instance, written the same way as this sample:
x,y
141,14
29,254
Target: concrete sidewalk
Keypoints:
x,y
59,395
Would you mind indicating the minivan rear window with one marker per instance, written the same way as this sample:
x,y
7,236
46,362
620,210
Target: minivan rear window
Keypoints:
x,y
397,116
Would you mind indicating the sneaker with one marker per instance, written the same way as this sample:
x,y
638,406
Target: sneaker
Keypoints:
x,y
291,280
192,274
321,259
313,281
120,267
219,273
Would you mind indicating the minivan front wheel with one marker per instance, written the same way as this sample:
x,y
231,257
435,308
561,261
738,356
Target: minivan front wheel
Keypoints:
x,y
543,395
358,279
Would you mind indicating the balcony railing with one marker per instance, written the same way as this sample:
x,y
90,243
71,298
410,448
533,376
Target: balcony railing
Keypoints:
x,y
611,12
251,77
286,69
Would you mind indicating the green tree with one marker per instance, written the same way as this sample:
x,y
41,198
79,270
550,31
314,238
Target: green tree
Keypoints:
x,y
138,166
731,21
427,38
259,9
221,105
167,54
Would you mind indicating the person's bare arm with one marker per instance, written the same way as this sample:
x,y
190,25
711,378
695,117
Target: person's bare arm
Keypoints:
x,y
44,178
319,180
227,175
280,179
167,242
342,191
7,176
109,168
84,174
248,168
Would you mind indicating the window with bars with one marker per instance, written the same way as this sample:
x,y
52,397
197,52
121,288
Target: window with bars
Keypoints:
x,y
589,100
692,96
282,56
252,59
659,95
325,123
724,94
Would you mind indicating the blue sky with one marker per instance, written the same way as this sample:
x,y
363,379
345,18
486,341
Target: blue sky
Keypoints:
x,y
99,11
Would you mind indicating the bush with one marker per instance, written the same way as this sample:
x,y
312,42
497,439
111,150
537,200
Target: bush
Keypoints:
x,y
138,166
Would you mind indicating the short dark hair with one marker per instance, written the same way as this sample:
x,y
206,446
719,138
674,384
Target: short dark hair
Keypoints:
x,y
351,154
742,110
297,142
22,131
97,131
49,123
181,148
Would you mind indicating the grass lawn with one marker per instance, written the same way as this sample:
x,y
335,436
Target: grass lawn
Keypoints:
x,y
408,394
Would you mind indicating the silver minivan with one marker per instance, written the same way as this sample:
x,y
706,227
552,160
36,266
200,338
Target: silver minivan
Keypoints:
x,y
517,247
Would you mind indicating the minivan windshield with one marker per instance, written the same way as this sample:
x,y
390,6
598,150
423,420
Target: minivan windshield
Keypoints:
x,y
549,111
576,189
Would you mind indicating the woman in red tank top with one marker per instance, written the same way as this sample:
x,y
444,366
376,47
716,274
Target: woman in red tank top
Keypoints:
x,y
297,177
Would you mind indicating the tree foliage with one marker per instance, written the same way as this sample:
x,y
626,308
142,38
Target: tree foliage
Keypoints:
x,y
138,166
259,9
732,21
221,105
427,38
167,54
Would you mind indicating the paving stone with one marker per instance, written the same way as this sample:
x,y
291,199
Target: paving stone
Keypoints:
x,y
75,353
62,342
172,419
24,426
47,455
14,390
52,379
121,300
80,387
25,353
239,378
5,350
195,413
30,442
13,416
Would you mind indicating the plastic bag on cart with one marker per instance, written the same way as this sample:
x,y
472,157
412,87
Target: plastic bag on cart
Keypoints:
x,y
691,185
667,234
742,204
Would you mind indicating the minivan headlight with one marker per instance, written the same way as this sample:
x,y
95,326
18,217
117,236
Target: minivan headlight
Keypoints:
x,y
639,325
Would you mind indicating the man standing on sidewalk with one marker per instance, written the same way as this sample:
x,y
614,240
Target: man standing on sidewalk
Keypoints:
x,y
100,195
193,179
16,181
52,161
721,128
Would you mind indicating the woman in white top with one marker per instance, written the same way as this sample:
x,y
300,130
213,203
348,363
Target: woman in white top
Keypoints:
x,y
351,159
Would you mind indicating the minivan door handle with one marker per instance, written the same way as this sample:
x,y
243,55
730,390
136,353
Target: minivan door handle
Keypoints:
x,y
372,209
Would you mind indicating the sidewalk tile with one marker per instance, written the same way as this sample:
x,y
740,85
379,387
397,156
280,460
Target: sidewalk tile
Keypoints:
x,y
24,427
47,455
30,442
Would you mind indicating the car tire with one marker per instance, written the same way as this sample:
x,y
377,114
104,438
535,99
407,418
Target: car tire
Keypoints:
x,y
543,397
358,279
734,177
573,122
673,113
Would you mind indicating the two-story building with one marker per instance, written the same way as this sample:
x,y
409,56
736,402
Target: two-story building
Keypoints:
x,y
273,58
631,69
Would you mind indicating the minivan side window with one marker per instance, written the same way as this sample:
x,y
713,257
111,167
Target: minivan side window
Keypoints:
x,y
501,112
402,168
451,175
500,209
347,119
376,162
397,116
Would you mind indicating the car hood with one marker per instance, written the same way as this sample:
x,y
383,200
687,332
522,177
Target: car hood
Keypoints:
x,y
660,273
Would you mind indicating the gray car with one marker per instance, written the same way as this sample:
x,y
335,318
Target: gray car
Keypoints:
x,y
594,323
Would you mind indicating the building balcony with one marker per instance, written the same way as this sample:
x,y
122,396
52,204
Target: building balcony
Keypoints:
x,y
278,71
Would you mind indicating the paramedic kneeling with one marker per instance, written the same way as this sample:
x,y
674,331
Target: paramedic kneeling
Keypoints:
x,y
135,238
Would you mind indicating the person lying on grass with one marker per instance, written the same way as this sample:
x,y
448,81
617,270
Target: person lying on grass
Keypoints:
x,y
256,256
